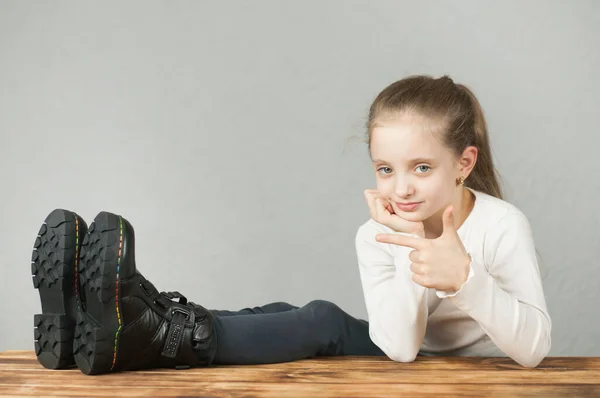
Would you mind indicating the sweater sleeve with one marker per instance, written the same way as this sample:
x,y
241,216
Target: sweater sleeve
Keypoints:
x,y
396,306
505,295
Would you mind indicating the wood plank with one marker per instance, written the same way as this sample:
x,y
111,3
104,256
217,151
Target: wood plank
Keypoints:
x,y
20,374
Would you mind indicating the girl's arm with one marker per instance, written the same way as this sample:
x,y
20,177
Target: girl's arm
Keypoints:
x,y
508,300
397,307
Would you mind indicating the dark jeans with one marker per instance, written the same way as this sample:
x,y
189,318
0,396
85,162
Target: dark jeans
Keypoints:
x,y
280,332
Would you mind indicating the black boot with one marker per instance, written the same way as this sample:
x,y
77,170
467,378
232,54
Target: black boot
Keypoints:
x,y
54,263
124,323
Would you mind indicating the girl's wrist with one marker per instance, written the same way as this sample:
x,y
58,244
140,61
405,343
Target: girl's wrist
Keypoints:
x,y
464,275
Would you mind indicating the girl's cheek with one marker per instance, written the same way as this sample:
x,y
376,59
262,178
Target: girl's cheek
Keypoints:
x,y
380,184
385,187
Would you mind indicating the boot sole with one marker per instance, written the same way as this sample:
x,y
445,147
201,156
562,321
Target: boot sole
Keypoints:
x,y
54,263
99,320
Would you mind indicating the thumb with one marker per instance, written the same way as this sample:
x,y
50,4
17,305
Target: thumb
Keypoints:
x,y
448,220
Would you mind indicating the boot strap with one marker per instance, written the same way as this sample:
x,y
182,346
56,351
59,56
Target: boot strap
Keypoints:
x,y
175,295
165,300
149,290
176,332
180,313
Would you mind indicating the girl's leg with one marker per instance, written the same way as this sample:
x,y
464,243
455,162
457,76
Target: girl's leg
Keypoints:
x,y
265,309
318,328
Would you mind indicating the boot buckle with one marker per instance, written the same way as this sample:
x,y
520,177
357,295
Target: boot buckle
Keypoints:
x,y
181,311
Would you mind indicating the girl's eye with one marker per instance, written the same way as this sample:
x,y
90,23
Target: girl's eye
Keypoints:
x,y
384,170
423,169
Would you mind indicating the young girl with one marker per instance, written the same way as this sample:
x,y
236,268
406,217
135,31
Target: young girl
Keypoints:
x,y
447,266
100,313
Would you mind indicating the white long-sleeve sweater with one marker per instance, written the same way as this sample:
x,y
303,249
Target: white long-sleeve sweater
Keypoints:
x,y
500,310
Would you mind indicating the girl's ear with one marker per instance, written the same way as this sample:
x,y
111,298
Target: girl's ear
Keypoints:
x,y
467,160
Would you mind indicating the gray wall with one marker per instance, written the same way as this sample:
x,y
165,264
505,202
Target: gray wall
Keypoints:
x,y
228,134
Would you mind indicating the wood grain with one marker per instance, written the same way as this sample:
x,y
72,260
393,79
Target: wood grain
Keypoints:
x,y
21,375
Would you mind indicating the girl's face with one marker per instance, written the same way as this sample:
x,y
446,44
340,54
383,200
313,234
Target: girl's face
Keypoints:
x,y
414,170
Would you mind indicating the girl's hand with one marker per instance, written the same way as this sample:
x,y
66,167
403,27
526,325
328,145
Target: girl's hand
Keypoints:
x,y
442,263
381,210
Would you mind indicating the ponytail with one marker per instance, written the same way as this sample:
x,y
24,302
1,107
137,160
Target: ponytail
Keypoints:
x,y
484,176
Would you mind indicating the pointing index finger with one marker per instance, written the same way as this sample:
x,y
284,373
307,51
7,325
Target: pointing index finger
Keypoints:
x,y
402,240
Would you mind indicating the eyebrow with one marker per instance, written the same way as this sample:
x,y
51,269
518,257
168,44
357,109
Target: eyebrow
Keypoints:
x,y
411,161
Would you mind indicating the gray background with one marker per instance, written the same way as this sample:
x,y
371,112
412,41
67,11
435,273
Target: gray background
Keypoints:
x,y
229,134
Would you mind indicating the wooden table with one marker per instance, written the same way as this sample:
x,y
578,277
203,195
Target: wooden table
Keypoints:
x,y
20,374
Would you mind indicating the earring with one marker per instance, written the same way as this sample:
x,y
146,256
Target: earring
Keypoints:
x,y
460,181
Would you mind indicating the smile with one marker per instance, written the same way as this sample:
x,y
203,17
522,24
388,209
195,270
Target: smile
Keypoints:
x,y
408,206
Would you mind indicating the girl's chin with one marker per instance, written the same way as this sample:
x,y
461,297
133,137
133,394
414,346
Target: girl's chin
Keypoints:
x,y
413,216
